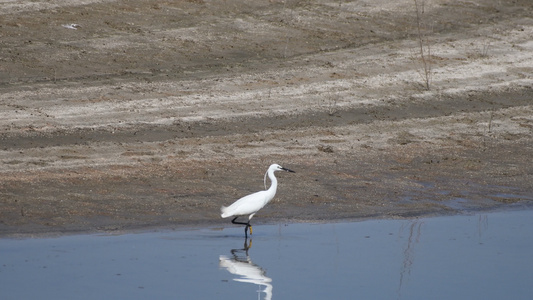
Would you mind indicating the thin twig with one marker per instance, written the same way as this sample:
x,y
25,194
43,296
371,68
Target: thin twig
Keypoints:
x,y
425,55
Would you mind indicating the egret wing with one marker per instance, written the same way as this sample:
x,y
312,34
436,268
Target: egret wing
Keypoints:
x,y
246,205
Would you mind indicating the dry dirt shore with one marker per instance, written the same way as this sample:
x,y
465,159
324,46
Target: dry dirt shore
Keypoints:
x,y
116,115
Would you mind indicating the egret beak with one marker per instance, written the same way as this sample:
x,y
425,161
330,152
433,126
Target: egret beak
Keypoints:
x,y
285,169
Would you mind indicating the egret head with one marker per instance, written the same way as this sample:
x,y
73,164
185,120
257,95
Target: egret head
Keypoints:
x,y
276,167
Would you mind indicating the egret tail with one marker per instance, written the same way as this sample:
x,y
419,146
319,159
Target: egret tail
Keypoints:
x,y
224,212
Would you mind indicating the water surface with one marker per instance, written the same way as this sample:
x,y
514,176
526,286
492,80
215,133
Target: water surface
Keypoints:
x,y
479,256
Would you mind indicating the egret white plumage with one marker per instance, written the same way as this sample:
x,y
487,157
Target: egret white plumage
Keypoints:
x,y
251,204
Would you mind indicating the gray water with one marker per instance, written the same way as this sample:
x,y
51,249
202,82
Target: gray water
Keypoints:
x,y
480,256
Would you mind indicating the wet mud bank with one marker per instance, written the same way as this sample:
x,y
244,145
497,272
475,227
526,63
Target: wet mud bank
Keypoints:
x,y
125,122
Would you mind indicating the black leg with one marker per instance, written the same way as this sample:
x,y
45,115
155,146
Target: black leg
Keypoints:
x,y
245,228
240,223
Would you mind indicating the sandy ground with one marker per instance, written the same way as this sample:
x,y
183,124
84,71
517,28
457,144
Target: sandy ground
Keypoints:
x,y
117,115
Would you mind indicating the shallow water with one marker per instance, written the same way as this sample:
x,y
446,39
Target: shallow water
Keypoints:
x,y
481,256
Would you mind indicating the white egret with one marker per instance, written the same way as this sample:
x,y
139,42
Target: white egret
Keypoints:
x,y
251,204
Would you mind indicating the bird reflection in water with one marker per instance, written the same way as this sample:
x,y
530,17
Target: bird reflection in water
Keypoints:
x,y
241,264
